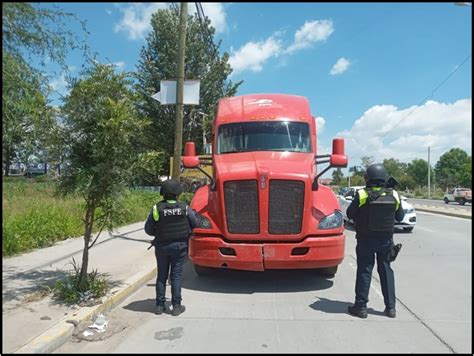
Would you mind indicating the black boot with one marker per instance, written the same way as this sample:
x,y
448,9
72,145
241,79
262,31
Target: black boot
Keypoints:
x,y
357,311
178,309
390,312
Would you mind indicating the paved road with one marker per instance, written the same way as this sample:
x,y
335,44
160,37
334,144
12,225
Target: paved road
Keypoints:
x,y
298,311
433,202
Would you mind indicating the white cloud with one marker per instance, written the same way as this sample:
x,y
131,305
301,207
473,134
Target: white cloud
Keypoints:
x,y
340,67
384,131
136,19
320,122
119,64
311,32
216,13
253,55
59,84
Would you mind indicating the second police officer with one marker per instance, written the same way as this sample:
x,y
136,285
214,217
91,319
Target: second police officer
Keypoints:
x,y
374,210
171,223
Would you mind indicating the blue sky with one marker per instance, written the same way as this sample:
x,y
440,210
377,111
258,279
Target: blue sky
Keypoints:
x,y
365,68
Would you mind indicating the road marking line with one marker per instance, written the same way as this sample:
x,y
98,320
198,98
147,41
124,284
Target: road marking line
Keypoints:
x,y
445,343
424,228
371,284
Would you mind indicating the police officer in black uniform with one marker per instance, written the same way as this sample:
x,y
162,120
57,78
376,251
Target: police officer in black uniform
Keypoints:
x,y
171,223
374,210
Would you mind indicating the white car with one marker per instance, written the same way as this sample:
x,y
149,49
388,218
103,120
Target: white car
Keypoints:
x,y
407,224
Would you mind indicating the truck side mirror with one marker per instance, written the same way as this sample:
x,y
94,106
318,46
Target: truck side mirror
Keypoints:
x,y
190,160
338,158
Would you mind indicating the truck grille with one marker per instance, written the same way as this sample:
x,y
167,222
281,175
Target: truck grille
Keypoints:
x,y
286,206
241,206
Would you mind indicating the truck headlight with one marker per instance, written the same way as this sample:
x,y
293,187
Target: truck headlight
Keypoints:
x,y
332,221
204,223
409,211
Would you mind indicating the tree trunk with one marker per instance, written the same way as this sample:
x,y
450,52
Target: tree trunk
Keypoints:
x,y
87,236
7,164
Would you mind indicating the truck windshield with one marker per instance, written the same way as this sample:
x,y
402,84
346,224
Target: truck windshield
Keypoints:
x,y
264,136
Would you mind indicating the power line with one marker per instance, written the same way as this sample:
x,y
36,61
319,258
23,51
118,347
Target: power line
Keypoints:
x,y
420,103
205,28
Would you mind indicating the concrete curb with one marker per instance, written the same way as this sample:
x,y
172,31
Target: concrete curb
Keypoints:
x,y
448,213
60,333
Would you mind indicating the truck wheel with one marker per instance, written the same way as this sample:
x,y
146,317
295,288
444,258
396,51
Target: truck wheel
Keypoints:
x,y
408,229
328,272
203,271
446,201
462,201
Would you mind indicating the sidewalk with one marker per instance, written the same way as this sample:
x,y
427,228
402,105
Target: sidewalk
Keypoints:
x,y
35,324
436,209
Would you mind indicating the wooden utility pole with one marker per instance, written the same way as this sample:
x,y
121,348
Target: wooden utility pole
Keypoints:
x,y
429,169
178,138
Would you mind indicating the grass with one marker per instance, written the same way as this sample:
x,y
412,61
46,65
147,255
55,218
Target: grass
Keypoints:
x,y
33,217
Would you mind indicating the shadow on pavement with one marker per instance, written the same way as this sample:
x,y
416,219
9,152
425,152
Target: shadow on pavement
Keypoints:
x,y
248,282
337,307
144,306
16,285
19,285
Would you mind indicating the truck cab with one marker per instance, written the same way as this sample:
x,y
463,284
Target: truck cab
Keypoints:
x,y
264,208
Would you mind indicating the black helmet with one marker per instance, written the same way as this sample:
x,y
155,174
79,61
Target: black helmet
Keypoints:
x,y
376,172
171,187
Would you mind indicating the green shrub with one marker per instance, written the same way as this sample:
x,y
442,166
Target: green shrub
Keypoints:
x,y
68,290
186,197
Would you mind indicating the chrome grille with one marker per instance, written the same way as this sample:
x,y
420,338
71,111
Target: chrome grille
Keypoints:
x,y
241,206
286,206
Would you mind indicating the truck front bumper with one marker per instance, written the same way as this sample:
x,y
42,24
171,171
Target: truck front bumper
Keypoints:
x,y
312,252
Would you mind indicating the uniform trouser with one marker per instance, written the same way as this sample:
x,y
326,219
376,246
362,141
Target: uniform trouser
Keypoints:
x,y
366,250
168,255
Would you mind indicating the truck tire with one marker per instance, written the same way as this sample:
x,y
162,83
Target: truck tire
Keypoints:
x,y
202,271
328,272
408,229
462,201
446,201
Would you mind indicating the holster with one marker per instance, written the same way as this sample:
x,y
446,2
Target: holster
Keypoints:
x,y
152,243
394,250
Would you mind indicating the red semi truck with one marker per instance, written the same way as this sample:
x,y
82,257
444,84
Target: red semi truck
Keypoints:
x,y
264,208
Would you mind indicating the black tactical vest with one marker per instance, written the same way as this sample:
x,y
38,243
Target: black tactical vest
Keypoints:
x,y
172,224
377,215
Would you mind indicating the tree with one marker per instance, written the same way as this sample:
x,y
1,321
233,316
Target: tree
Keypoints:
x,y
357,180
453,168
366,161
101,120
337,176
398,170
158,62
147,168
26,117
30,30
418,171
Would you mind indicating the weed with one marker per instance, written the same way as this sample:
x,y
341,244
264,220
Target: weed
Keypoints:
x,y
69,290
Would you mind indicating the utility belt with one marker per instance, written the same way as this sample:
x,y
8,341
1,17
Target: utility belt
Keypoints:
x,y
156,242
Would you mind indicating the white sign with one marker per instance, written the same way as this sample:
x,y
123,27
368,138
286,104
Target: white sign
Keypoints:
x,y
167,94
